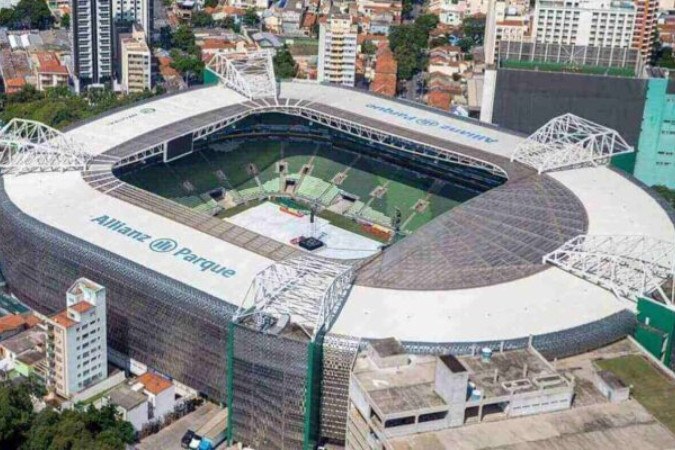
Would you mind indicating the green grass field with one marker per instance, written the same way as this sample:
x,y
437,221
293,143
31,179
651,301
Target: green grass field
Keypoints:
x,y
228,166
654,390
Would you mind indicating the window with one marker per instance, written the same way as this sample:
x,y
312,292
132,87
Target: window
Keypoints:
x,y
399,422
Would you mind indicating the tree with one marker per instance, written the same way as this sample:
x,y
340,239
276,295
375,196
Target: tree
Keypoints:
x,y
251,18
426,23
202,19
668,194
231,24
284,65
368,48
183,38
65,21
210,3
16,414
33,14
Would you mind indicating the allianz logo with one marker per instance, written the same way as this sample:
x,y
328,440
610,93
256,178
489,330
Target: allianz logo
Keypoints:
x,y
164,245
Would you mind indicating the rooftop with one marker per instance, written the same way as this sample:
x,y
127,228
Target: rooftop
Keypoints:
x,y
126,398
24,341
154,383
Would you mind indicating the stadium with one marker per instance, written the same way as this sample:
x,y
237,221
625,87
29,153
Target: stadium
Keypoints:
x,y
251,234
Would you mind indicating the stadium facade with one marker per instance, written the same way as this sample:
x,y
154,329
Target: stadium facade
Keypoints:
x,y
474,276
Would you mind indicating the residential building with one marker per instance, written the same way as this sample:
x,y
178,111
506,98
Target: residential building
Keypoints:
x,y
77,348
449,12
91,27
14,69
14,324
393,394
137,11
24,354
292,15
136,62
50,72
599,23
337,50
645,26
150,397
160,392
385,72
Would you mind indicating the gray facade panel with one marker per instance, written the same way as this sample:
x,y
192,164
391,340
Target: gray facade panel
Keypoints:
x,y
177,330
524,100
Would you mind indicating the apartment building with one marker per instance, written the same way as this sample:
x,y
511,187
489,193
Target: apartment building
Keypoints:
x,y
449,12
337,50
599,23
76,340
91,27
137,11
645,27
50,72
135,61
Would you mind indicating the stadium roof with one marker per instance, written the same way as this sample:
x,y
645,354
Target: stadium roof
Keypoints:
x,y
477,261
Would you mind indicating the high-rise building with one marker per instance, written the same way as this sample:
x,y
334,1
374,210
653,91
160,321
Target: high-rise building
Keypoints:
x,y
137,11
77,348
91,27
136,67
337,50
645,27
599,23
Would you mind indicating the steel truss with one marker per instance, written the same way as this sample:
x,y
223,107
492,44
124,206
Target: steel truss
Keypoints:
x,y
629,266
346,126
30,146
250,74
307,290
568,141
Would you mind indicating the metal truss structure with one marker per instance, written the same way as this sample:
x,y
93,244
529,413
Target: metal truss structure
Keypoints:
x,y
30,146
629,266
250,74
569,141
307,290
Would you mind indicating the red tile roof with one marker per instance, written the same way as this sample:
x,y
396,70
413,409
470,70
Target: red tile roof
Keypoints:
x,y
49,63
82,306
11,322
63,320
154,383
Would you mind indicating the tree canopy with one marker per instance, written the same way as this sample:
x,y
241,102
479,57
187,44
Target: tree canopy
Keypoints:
x,y
77,429
251,18
668,194
27,14
409,43
58,107
284,64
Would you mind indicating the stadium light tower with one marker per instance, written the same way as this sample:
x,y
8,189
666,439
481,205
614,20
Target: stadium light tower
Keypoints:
x,y
629,266
29,146
250,74
569,141
308,290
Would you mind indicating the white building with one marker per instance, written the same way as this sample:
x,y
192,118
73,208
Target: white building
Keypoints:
x,y
138,11
76,346
337,50
160,392
136,62
91,29
599,23
449,12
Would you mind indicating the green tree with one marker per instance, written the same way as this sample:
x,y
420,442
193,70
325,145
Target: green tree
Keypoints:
x,y
426,23
368,48
668,194
65,21
284,65
16,414
202,19
33,14
251,18
183,38
210,3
